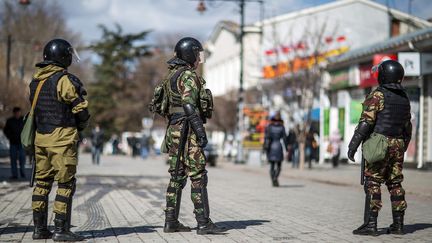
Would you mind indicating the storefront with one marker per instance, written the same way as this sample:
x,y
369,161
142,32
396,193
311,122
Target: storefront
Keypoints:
x,y
349,80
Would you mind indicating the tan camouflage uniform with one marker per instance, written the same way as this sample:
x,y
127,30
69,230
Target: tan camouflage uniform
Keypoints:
x,y
389,170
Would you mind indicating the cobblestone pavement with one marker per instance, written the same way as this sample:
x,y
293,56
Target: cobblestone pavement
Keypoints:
x,y
122,201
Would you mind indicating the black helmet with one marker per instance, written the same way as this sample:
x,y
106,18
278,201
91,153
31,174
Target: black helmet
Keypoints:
x,y
390,71
59,51
188,49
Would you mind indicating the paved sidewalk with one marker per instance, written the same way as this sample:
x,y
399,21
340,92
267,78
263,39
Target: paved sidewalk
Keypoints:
x,y
122,201
416,182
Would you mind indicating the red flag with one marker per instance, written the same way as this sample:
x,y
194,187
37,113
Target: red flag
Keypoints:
x,y
270,52
341,38
300,45
285,49
329,39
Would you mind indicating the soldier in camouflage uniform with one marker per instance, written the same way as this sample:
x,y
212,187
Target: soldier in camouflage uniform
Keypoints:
x,y
60,113
386,111
185,146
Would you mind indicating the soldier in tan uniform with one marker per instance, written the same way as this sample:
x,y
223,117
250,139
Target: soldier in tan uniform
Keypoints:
x,y
60,112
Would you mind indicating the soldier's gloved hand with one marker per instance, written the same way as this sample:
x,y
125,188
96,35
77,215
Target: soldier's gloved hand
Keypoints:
x,y
202,141
351,153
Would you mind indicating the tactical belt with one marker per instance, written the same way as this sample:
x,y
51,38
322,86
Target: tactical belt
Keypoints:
x,y
176,109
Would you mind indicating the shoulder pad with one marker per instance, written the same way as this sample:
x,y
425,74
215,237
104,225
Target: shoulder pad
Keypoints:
x,y
77,84
74,79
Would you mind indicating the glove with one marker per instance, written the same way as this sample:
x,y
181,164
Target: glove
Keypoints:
x,y
202,141
196,124
351,153
82,119
362,131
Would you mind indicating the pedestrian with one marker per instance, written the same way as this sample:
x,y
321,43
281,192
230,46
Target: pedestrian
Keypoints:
x,y
97,140
115,144
190,104
334,148
293,146
12,131
145,146
60,112
274,132
310,146
385,130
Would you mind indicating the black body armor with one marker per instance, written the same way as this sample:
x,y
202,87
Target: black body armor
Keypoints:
x,y
392,120
51,113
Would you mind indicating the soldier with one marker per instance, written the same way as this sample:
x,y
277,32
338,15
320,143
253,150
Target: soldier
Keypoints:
x,y
60,112
189,106
386,111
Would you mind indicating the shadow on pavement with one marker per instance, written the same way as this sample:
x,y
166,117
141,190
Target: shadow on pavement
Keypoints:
x,y
116,231
411,228
291,186
16,228
241,224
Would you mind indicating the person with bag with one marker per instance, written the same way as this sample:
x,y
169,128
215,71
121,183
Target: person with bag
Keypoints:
x,y
60,112
12,131
385,130
274,132
184,101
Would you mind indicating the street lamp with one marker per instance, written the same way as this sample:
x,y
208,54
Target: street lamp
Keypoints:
x,y
240,103
201,7
24,2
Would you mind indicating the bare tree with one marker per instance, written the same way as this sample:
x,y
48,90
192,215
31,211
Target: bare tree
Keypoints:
x,y
29,28
299,63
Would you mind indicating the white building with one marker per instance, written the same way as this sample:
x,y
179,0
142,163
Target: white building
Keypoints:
x,y
330,29
222,66
292,42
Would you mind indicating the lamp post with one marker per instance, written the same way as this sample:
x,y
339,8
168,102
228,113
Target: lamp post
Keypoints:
x,y
240,101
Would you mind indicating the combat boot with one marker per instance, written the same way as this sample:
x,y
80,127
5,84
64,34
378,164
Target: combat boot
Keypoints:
x,y
41,231
369,227
62,231
206,226
398,223
171,215
172,224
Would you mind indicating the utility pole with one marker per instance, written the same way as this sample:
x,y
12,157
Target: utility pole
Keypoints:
x,y
8,59
240,104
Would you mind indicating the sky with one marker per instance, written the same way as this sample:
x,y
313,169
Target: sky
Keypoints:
x,y
181,16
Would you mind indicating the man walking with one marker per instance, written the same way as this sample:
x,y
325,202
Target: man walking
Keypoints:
x,y
12,130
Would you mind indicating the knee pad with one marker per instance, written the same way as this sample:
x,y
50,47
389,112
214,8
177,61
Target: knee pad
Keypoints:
x,y
182,182
71,185
200,182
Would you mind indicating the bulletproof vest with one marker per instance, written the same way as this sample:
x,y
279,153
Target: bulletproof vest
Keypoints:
x,y
51,113
396,113
205,99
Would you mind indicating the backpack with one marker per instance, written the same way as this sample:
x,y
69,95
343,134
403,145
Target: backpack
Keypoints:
x,y
159,103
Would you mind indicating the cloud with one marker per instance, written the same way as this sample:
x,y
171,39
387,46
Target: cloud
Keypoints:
x,y
180,16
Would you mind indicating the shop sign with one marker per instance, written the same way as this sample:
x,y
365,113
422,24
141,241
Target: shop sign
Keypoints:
x,y
410,62
426,63
339,79
366,77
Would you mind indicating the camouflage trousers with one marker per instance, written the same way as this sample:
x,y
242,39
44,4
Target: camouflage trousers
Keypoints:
x,y
55,164
192,165
388,171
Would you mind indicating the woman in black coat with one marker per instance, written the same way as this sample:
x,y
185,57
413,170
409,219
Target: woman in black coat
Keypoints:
x,y
274,132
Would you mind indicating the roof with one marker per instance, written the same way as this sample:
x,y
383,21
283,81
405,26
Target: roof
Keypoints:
x,y
394,44
230,26
309,11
